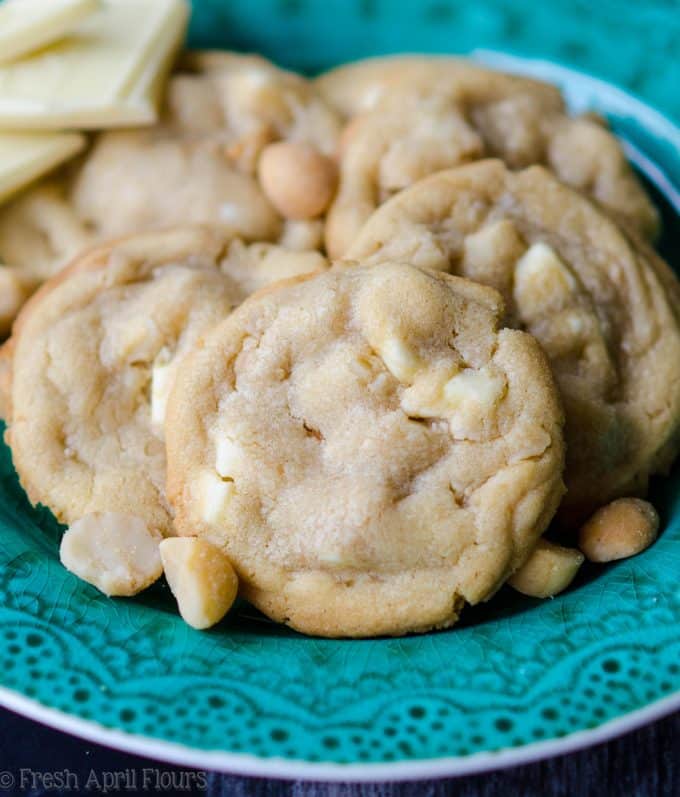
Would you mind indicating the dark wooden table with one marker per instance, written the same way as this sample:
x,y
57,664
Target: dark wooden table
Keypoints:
x,y
645,763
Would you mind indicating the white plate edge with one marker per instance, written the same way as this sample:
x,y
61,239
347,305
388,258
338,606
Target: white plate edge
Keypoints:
x,y
290,769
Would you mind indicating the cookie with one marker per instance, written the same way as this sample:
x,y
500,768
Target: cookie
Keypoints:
x,y
361,86
421,115
93,356
198,165
604,310
368,447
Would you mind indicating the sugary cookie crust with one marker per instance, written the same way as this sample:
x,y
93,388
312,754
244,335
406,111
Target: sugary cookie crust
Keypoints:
x,y
93,356
419,115
367,448
605,311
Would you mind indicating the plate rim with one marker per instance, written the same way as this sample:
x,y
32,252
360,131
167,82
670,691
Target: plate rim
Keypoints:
x,y
252,765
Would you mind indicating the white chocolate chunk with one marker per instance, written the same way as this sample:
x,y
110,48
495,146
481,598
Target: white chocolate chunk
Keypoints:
x,y
542,281
482,388
468,398
116,553
162,379
214,496
26,25
399,359
497,241
426,398
25,157
228,457
201,579
548,571
472,398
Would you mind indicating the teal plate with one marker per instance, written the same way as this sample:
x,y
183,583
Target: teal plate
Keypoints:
x,y
517,680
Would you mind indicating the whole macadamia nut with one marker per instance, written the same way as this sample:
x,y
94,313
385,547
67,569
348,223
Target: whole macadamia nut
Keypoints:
x,y
623,528
297,179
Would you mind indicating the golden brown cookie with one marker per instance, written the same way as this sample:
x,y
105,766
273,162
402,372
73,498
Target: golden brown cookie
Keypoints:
x,y
419,115
93,356
369,448
604,311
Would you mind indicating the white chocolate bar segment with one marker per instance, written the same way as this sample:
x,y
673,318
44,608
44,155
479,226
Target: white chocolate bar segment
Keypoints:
x,y
26,25
24,157
99,76
142,102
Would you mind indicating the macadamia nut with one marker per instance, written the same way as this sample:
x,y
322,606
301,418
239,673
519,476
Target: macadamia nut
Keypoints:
x,y
623,528
201,579
116,553
548,571
297,179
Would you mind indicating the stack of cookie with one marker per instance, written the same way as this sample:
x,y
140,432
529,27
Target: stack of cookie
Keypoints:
x,y
362,446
